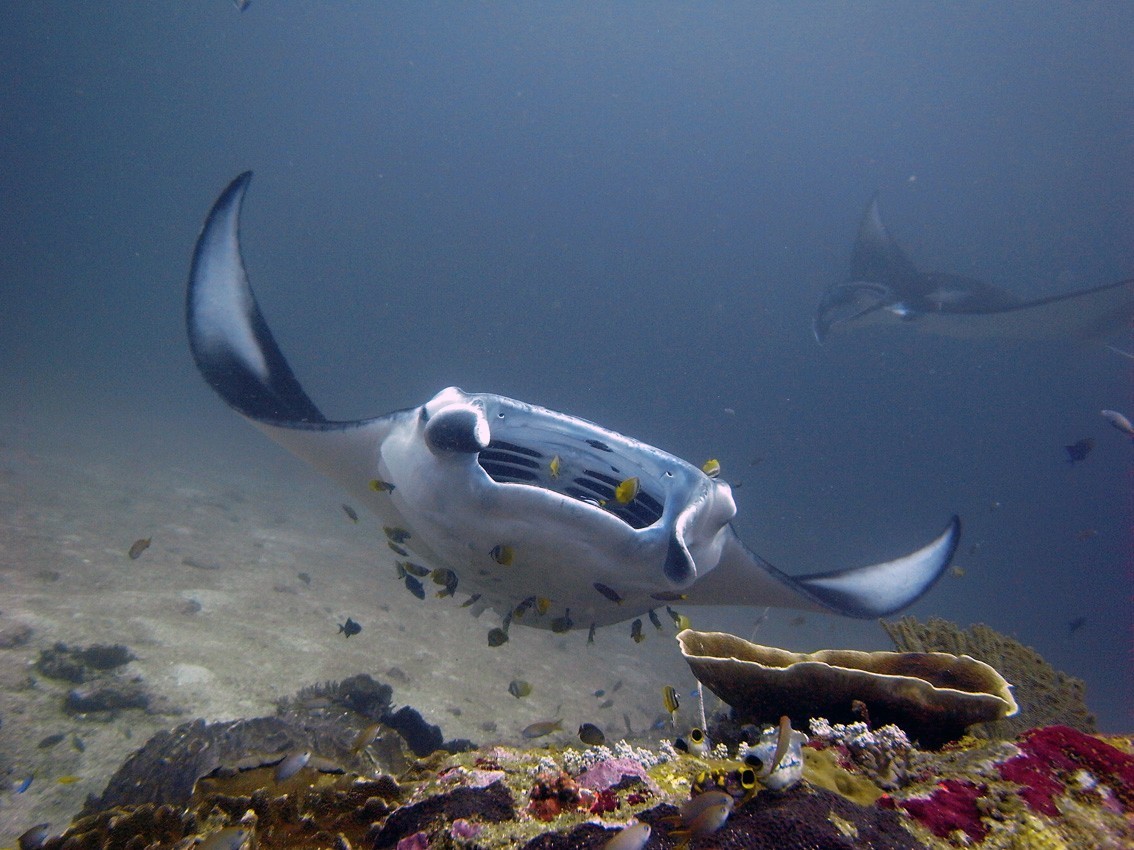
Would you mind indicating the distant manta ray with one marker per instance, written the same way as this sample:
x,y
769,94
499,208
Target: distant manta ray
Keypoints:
x,y
886,288
538,514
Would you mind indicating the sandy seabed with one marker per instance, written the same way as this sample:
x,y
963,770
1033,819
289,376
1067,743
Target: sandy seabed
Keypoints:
x,y
219,619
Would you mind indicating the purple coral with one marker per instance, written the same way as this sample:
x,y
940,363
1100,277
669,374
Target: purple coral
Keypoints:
x,y
417,841
607,774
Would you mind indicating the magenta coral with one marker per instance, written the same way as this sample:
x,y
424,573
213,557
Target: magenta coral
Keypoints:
x,y
1048,756
952,806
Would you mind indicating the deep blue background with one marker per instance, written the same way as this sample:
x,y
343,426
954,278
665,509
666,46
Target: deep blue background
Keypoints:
x,y
627,213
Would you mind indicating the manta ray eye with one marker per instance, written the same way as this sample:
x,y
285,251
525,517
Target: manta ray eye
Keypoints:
x,y
457,429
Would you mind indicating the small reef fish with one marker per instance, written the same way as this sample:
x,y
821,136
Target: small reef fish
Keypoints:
x,y
542,605
633,837
542,728
380,486
608,592
69,779
636,631
670,700
1079,450
51,740
1118,421
241,5
497,637
138,547
415,587
396,549
523,608
592,735
413,569
607,703
447,579
668,596
625,492
291,765
555,466
503,555
350,627
679,620
653,615
229,838
396,534
562,624
25,783
304,577
365,738
711,467
350,512
591,633
519,688
471,601
35,837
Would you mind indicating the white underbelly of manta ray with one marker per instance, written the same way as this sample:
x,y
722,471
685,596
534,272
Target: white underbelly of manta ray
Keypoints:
x,y
548,519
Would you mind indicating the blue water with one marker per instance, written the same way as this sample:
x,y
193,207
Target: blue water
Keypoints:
x,y
628,213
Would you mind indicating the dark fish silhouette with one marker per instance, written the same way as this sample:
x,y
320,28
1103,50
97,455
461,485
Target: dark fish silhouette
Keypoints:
x,y
1079,449
350,627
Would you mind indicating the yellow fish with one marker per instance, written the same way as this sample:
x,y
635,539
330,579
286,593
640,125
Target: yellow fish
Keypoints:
x,y
503,555
669,699
555,465
380,486
542,604
627,490
69,779
711,467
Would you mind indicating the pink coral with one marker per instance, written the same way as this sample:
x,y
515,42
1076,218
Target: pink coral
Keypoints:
x,y
952,806
417,841
611,772
1048,757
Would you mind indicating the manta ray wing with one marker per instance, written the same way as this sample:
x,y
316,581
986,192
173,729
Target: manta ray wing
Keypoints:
x,y
877,590
517,502
885,288
1089,314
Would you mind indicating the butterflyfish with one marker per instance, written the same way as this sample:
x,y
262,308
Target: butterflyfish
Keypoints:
x,y
625,492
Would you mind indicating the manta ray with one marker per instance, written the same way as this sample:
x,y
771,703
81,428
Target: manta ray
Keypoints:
x,y
885,287
546,518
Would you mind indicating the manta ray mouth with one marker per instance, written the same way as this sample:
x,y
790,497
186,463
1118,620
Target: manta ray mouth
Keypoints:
x,y
509,463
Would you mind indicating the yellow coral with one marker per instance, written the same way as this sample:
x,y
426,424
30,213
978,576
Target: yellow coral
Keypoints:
x,y
820,767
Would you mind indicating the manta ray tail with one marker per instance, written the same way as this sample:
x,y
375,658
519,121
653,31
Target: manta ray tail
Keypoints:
x,y
877,590
229,338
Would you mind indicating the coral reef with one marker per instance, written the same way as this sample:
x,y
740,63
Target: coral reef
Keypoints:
x,y
217,785
885,755
932,696
1045,696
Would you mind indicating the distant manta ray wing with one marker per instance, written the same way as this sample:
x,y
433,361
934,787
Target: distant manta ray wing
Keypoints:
x,y
518,503
1085,315
885,288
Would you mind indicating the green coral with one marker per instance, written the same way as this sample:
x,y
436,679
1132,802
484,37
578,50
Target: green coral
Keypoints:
x,y
1045,695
